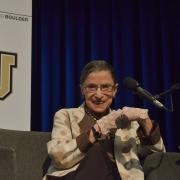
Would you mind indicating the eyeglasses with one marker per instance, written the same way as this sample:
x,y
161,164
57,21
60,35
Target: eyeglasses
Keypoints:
x,y
103,87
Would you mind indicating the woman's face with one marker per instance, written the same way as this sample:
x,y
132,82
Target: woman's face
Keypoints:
x,y
99,90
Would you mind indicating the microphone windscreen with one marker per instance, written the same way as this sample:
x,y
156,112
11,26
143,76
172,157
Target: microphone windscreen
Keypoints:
x,y
130,83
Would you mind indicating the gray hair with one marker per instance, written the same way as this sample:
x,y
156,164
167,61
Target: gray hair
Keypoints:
x,y
96,65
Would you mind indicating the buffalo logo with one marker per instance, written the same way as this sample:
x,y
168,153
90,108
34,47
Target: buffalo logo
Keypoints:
x,y
7,62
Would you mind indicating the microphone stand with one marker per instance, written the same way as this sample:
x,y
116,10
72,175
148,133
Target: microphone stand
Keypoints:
x,y
173,88
170,91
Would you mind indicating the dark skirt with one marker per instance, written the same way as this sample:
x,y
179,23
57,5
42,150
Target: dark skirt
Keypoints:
x,y
96,165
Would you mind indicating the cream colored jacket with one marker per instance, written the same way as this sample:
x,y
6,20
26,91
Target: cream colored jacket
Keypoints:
x,y
66,155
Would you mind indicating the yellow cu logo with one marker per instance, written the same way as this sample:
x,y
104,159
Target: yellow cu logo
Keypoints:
x,y
7,62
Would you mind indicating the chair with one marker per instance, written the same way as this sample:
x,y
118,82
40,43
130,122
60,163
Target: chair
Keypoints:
x,y
162,166
23,156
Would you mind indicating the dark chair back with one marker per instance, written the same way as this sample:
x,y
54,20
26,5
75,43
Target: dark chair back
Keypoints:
x,y
27,151
162,166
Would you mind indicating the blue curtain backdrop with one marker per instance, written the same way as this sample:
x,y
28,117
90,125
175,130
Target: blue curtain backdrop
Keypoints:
x,y
139,38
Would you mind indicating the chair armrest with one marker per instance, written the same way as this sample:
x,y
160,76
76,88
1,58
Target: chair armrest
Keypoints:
x,y
162,166
7,163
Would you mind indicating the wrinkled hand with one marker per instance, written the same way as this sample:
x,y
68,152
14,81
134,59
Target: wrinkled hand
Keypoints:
x,y
109,121
135,114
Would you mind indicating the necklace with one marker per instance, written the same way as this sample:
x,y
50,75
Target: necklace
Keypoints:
x,y
95,117
89,114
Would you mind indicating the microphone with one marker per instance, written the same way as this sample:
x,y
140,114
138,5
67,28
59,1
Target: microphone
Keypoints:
x,y
134,86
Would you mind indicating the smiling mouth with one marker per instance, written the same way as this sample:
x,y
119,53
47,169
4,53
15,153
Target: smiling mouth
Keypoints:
x,y
98,102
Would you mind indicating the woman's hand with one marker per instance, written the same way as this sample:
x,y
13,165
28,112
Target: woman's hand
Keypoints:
x,y
92,139
109,121
134,114
141,116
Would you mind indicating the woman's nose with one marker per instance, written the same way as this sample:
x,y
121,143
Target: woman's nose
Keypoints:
x,y
99,93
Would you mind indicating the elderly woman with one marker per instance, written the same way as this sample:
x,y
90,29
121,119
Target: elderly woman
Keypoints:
x,y
94,142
